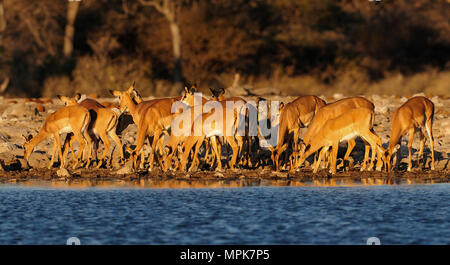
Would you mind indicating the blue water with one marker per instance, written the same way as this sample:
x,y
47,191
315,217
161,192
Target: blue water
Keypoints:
x,y
415,214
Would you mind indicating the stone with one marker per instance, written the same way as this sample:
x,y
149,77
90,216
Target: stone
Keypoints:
x,y
124,170
62,172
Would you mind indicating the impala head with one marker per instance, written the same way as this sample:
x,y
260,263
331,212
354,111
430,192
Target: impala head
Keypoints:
x,y
166,158
137,97
387,155
217,94
125,97
26,146
188,94
68,101
77,97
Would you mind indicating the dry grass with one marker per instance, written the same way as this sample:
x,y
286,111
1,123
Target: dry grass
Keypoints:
x,y
356,82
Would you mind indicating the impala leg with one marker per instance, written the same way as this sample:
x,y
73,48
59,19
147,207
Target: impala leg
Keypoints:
x,y
286,155
142,135
154,144
195,161
423,139
379,151
216,149
278,153
295,146
52,160
327,159
366,155
428,127
350,145
82,143
241,154
410,141
333,158
68,143
319,159
372,140
234,147
106,144
87,141
191,141
58,145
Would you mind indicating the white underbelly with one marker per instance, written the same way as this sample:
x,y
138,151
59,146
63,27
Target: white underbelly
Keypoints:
x,y
66,129
350,136
216,132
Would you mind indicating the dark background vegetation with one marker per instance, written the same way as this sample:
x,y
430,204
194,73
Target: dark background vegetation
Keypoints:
x,y
294,46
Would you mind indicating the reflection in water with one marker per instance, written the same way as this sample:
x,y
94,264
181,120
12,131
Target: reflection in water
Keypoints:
x,y
174,183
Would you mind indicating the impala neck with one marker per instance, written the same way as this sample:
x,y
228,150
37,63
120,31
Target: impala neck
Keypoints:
x,y
132,107
394,139
41,135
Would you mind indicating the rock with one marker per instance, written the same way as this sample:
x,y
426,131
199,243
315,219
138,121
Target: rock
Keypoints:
x,y
20,110
279,174
237,91
62,172
382,109
124,170
219,175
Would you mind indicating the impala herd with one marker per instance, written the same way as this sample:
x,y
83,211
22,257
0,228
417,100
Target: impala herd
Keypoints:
x,y
178,127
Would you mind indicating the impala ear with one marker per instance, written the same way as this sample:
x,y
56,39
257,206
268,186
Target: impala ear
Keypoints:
x,y
62,98
186,89
131,87
193,88
223,90
115,93
212,91
281,105
77,96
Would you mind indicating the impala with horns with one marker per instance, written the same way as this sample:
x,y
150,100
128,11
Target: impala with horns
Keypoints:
x,y
73,119
350,124
414,115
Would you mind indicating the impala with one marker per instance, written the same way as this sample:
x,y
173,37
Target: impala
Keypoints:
x,y
414,114
103,122
217,95
213,125
352,123
331,111
293,116
151,118
73,119
193,109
